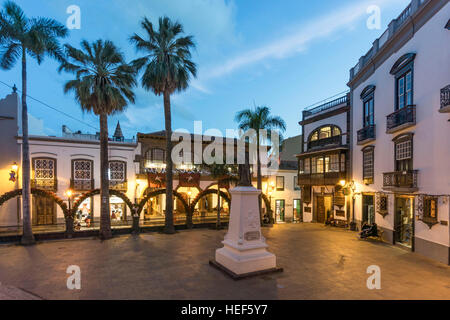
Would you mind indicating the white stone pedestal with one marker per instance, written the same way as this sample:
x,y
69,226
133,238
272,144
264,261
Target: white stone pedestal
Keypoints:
x,y
244,251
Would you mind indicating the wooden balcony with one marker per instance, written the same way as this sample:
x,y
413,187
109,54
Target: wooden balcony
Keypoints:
x,y
401,119
366,134
445,100
401,181
119,185
82,185
321,143
321,179
45,184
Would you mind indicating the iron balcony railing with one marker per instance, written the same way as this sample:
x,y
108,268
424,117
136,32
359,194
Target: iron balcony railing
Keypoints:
x,y
445,97
325,106
118,185
82,185
400,179
366,133
403,116
319,179
331,141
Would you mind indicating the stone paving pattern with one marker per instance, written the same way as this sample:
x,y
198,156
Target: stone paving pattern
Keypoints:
x,y
319,263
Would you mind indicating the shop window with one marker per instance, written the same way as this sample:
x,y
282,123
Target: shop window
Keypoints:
x,y
280,183
430,210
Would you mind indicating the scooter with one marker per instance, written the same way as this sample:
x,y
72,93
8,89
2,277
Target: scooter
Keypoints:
x,y
369,230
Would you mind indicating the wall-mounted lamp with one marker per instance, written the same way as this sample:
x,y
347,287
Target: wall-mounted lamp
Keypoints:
x,y
14,172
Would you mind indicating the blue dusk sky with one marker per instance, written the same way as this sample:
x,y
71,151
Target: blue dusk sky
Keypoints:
x,y
285,54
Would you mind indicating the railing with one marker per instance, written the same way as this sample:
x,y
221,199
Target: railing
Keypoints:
x,y
118,185
400,179
44,184
336,140
325,106
445,97
394,26
82,185
366,133
406,115
319,179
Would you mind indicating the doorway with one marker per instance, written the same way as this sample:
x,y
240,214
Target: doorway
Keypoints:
x,y
323,208
298,214
44,211
368,213
404,221
279,210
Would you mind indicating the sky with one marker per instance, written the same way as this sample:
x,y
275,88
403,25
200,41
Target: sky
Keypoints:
x,y
286,54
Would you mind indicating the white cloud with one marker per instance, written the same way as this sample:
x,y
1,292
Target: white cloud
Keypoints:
x,y
297,41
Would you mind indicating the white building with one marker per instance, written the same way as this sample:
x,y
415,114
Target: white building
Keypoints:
x,y
400,147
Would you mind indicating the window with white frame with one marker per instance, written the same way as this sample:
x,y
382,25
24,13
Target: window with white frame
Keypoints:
x,y
403,150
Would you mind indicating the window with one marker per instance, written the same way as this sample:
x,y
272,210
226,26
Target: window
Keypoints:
x,y
368,165
44,173
280,183
334,163
404,90
430,210
368,113
403,72
82,174
403,156
296,186
325,132
158,155
307,166
343,167
44,169
117,171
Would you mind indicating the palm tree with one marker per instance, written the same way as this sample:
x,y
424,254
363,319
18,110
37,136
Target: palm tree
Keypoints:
x,y
167,69
103,85
37,37
258,119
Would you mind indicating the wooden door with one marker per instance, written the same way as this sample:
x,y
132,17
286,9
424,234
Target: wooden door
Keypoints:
x,y
320,209
44,211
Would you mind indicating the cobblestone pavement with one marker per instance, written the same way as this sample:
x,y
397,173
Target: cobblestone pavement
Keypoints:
x,y
319,263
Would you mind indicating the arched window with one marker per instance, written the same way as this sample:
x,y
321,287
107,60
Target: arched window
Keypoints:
x,y
329,134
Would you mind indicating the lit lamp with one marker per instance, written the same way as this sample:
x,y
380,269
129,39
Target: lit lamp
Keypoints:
x,y
69,194
342,183
13,176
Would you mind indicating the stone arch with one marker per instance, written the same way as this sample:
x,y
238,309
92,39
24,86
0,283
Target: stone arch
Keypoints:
x,y
206,192
94,192
37,192
158,192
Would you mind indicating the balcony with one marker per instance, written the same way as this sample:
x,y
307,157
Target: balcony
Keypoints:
x,y
366,134
401,119
331,141
82,185
321,179
118,185
445,100
326,106
44,184
401,181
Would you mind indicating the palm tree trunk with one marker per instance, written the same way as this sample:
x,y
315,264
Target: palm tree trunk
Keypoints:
x,y
169,227
259,178
105,218
27,236
218,205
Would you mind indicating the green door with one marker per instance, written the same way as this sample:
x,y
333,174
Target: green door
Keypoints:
x,y
279,210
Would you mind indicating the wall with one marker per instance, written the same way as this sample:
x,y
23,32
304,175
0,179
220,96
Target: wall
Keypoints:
x,y
431,148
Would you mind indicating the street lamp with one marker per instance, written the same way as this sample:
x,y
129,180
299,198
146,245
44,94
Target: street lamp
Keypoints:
x,y
69,194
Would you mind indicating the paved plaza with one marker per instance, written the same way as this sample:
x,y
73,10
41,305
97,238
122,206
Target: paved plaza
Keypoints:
x,y
319,263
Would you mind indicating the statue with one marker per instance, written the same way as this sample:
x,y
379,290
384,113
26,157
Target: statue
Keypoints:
x,y
245,179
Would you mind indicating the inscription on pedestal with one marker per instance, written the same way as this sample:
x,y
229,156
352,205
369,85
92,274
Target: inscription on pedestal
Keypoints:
x,y
252,235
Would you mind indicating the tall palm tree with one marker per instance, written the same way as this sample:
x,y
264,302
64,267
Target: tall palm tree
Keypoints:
x,y
167,69
258,119
103,85
21,36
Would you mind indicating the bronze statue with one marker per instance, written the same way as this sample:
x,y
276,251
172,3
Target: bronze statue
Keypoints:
x,y
245,179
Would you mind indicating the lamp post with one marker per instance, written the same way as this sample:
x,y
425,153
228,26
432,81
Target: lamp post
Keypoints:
x,y
14,177
353,189
69,218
